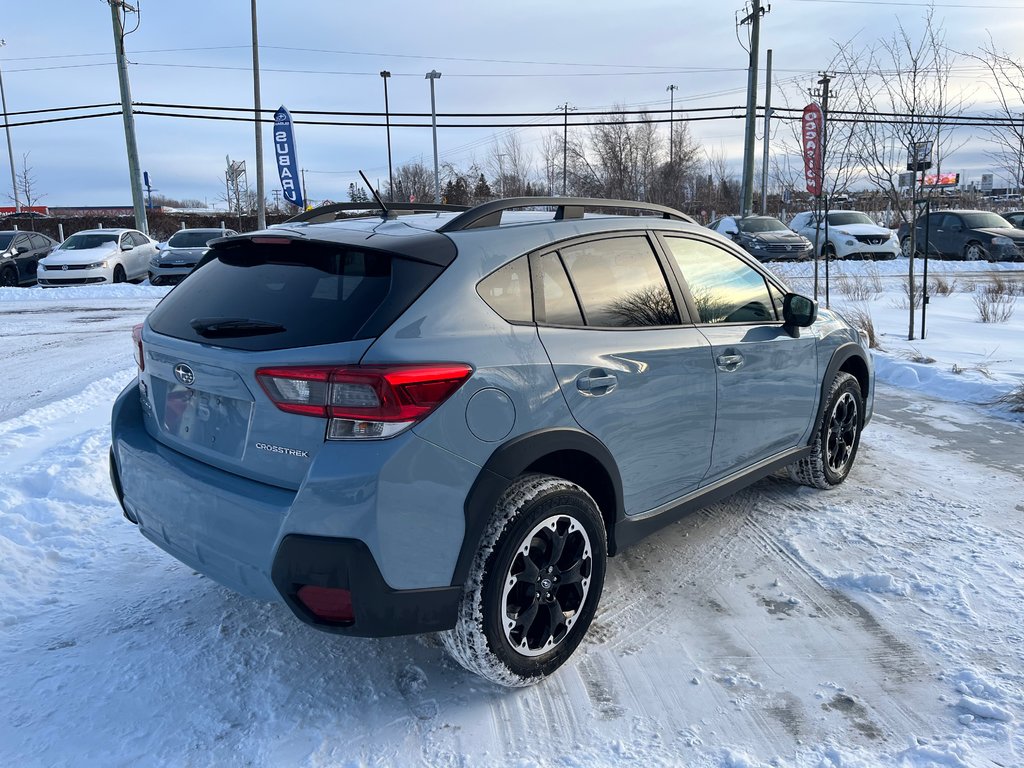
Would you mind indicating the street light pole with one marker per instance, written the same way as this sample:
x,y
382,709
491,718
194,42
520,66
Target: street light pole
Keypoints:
x,y
261,204
672,122
433,75
10,148
565,143
138,202
387,118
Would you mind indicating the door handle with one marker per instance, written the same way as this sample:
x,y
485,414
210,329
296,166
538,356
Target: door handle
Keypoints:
x,y
596,383
729,362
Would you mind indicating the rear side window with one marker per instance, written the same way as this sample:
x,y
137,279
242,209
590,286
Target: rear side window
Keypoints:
x,y
556,302
507,291
619,283
724,288
262,297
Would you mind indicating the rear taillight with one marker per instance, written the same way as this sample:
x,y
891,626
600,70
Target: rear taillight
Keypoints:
x,y
137,345
363,401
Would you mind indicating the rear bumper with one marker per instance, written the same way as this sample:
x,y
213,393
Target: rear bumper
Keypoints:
x,y
383,536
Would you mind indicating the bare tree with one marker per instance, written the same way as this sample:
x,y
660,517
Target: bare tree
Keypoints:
x,y
414,182
510,165
1007,84
908,77
626,155
25,181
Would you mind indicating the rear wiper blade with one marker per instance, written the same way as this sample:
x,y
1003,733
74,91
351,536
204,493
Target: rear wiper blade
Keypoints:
x,y
214,327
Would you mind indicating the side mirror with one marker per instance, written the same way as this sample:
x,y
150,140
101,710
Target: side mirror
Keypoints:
x,y
21,249
732,232
126,246
161,246
798,312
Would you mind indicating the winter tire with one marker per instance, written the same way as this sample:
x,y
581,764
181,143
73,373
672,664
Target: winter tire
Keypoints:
x,y
119,276
8,278
836,437
534,584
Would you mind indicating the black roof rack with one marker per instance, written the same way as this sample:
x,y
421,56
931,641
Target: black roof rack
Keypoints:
x,y
489,214
329,212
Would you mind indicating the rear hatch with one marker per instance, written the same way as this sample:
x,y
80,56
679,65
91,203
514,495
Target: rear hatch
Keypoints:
x,y
259,303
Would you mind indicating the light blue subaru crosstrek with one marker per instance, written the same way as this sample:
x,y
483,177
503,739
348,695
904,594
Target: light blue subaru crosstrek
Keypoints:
x,y
447,422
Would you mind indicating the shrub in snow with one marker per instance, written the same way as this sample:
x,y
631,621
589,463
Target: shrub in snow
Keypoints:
x,y
995,304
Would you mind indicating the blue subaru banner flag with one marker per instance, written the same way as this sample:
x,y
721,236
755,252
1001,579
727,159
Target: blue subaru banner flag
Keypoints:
x,y
287,165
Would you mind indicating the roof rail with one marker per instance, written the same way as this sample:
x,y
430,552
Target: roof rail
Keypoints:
x,y
329,212
489,214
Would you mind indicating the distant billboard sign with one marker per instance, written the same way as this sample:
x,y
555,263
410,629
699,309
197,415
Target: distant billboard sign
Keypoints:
x,y
941,179
812,124
986,182
919,156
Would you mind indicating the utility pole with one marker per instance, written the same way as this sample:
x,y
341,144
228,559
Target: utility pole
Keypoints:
x,y
138,203
261,204
565,142
433,75
10,148
305,192
387,118
672,123
767,132
754,20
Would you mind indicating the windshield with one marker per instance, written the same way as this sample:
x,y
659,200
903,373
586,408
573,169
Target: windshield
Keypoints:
x,y
765,224
195,238
5,240
82,242
986,220
849,217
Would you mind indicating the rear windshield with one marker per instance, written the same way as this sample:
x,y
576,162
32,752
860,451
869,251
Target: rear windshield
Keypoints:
x,y
263,297
193,238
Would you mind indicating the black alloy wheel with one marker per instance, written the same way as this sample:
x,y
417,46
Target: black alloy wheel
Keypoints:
x,y
841,435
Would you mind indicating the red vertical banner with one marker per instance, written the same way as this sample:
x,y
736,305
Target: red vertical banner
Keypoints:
x,y
811,130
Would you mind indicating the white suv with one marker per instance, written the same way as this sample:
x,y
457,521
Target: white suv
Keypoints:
x,y
851,235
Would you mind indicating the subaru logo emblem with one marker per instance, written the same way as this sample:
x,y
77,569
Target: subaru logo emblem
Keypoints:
x,y
184,374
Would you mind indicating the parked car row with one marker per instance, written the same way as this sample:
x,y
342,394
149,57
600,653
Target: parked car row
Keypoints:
x,y
97,256
952,234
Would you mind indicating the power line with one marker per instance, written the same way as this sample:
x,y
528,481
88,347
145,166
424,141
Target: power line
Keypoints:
x,y
914,5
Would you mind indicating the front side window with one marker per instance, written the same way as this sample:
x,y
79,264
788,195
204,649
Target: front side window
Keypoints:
x,y
724,288
619,283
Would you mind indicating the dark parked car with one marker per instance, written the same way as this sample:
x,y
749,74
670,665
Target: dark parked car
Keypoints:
x,y
180,254
19,253
764,237
1015,217
968,235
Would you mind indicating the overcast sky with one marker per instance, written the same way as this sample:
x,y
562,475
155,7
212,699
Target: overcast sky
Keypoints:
x,y
529,56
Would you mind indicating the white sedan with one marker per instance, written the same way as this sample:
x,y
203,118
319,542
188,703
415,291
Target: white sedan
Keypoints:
x,y
98,256
851,235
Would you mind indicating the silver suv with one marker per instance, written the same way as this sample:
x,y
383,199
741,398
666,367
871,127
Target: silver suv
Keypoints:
x,y
448,421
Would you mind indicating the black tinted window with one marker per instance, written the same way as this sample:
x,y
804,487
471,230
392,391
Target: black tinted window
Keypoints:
x,y
507,291
193,238
620,283
38,241
556,303
314,294
724,288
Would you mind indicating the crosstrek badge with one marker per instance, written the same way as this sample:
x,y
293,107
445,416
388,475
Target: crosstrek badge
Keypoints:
x,y
285,451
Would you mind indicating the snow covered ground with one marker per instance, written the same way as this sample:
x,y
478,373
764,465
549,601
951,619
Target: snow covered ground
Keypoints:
x,y
877,624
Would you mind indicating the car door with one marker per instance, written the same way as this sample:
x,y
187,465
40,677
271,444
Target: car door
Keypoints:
x,y
139,255
932,229
41,246
21,250
766,380
632,372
